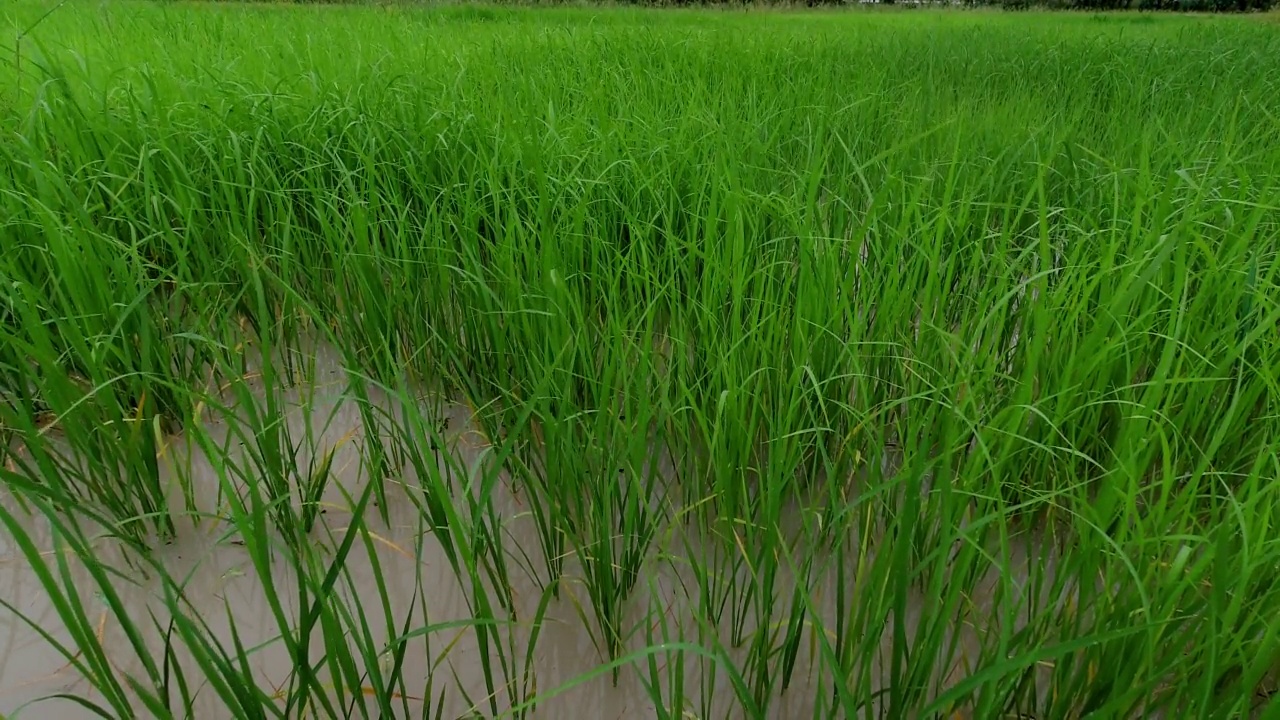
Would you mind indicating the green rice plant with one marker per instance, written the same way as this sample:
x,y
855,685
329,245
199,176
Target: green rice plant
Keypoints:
x,y
880,365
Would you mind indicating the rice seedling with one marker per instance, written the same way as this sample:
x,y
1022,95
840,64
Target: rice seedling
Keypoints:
x,y
465,362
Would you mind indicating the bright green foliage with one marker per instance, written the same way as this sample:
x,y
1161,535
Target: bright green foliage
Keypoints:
x,y
952,281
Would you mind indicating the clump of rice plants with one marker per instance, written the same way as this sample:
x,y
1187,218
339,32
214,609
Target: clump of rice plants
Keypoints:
x,y
409,362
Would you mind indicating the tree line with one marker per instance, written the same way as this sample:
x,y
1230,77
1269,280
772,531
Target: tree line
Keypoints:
x,y
1220,6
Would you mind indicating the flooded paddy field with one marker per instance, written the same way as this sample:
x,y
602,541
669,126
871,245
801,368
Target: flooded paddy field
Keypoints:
x,y
473,362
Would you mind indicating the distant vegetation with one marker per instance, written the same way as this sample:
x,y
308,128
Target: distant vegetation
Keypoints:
x,y
1222,6
1217,6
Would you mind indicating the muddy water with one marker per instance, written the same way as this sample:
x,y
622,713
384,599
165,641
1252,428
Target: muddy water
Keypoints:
x,y
404,557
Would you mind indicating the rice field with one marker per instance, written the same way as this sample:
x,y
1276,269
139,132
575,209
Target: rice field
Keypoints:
x,y
388,361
